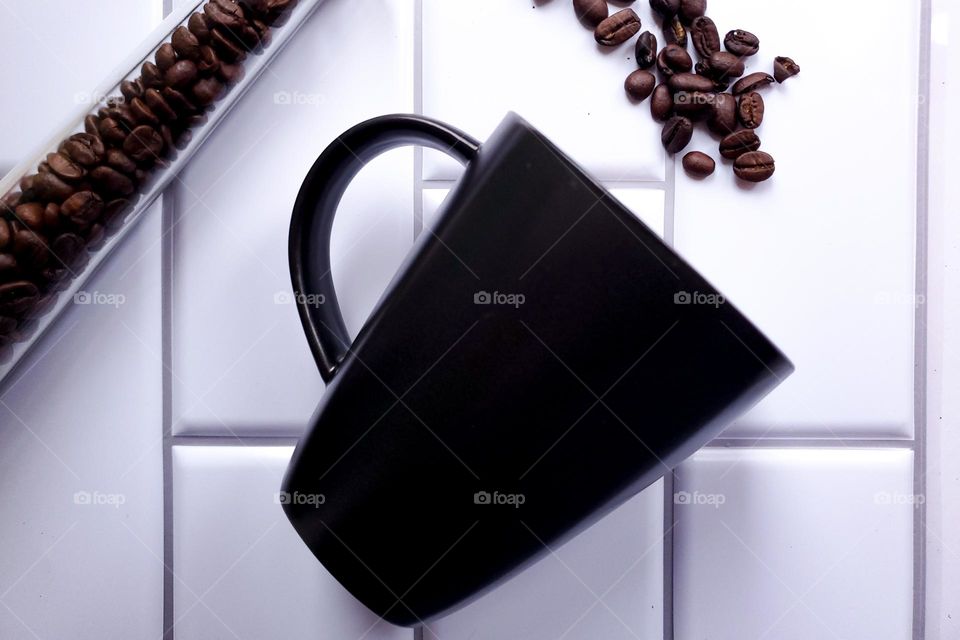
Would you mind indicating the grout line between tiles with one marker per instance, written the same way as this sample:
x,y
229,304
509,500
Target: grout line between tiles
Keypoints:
x,y
669,516
810,443
920,325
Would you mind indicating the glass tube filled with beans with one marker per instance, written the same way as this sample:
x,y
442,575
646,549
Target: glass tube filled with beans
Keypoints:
x,y
65,208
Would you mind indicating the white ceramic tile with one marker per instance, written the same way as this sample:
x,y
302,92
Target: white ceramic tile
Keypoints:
x,y
821,257
80,453
241,570
605,583
240,358
483,58
647,204
794,544
51,71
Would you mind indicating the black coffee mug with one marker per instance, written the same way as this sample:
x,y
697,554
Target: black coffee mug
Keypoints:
x,y
541,357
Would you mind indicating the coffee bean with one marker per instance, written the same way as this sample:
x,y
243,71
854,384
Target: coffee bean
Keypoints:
x,y
143,113
676,134
9,269
66,248
182,74
91,123
230,74
178,102
144,144
151,75
699,164
646,50
722,119
690,10
120,161
640,84
197,24
675,33
207,90
83,148
618,28
750,110
64,167
209,61
112,132
738,143
185,43
666,9
111,181
690,82
51,216
784,68
661,104
165,57
694,105
114,213
226,48
705,37
674,59
741,43
591,12
45,187
30,249
122,115
158,105
224,14
131,89
755,166
722,65
752,82
17,297
264,30
82,208
5,233
31,214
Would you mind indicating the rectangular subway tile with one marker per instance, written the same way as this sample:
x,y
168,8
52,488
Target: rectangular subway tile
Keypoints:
x,y
794,543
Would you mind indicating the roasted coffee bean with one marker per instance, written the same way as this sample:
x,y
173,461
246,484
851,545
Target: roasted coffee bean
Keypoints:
x,y
209,61
111,181
112,132
66,248
165,57
5,234
705,37
151,76
9,270
31,215
45,187
690,82
64,167
230,74
17,297
750,110
618,28
227,15
82,208
182,74
51,216
694,105
676,134
661,104
185,43
114,213
741,43
755,166
722,65
95,236
264,31
699,164
197,24
167,134
91,123
120,161
144,144
646,50
207,90
738,143
83,148
666,9
674,59
640,84
674,32
225,47
752,82
131,89
122,115
784,68
158,105
722,119
30,249
143,113
179,102
690,10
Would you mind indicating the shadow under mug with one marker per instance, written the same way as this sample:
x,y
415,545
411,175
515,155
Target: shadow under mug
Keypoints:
x,y
540,357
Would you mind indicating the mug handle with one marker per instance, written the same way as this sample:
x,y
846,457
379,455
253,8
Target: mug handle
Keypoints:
x,y
317,203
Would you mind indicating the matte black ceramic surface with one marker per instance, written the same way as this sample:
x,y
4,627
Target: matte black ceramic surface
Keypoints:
x,y
541,357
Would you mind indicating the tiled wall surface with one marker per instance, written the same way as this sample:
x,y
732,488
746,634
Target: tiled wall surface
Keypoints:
x,y
802,521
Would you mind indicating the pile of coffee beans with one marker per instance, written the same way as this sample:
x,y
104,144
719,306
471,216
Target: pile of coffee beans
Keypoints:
x,y
695,91
82,191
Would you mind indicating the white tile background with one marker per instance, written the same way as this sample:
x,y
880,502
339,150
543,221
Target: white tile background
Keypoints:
x,y
823,258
